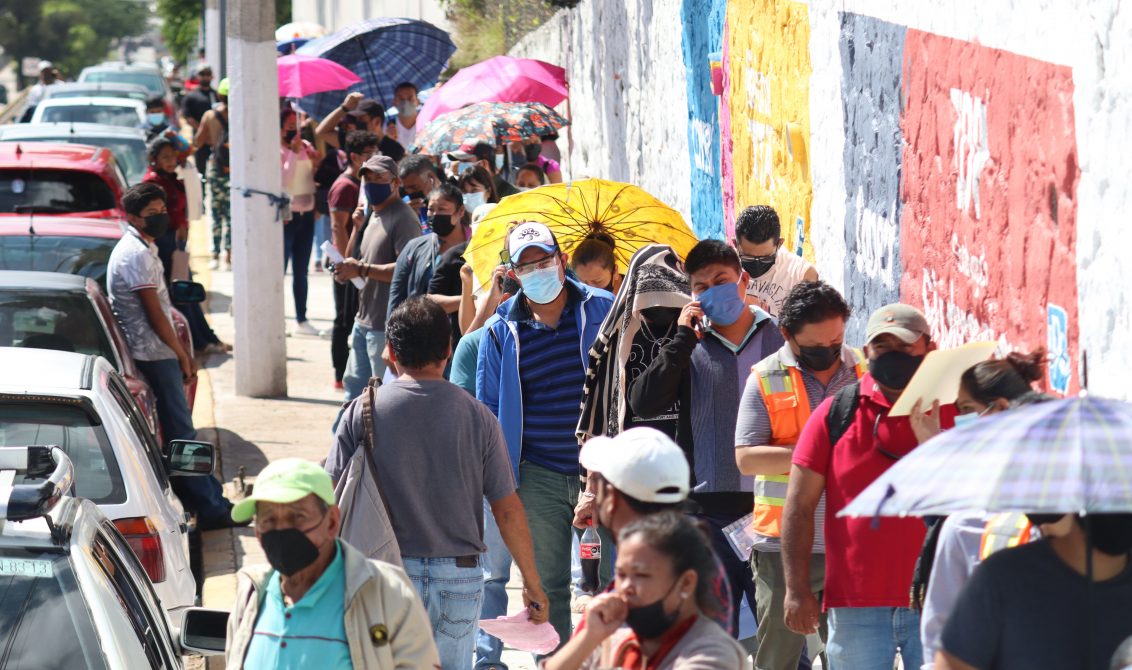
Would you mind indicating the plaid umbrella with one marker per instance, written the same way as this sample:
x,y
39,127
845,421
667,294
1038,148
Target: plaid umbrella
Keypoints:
x,y
383,52
1061,456
491,122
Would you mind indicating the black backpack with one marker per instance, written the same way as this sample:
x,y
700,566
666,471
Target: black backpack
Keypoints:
x,y
841,413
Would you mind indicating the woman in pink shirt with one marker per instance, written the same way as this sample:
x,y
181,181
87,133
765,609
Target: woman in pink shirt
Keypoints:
x,y
299,161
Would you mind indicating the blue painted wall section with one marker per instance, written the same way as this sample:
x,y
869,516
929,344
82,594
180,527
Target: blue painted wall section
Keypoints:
x,y
703,35
872,56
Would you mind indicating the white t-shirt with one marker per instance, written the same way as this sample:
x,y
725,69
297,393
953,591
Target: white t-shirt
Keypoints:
x,y
771,289
406,136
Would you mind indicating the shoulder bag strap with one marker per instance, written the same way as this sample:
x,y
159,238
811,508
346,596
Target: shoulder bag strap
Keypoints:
x,y
371,444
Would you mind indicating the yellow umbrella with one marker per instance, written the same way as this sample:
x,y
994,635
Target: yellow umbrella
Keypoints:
x,y
573,210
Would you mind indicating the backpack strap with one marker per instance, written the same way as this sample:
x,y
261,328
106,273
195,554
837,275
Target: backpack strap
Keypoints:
x,y
841,413
370,442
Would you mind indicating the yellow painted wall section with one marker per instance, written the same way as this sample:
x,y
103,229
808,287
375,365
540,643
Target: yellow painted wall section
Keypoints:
x,y
770,111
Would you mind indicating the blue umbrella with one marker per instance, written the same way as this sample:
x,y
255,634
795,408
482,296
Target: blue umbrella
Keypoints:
x,y
383,52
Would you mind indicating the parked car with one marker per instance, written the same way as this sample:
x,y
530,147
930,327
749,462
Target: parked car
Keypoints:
x,y
72,593
127,144
78,247
149,76
97,89
56,178
109,111
80,403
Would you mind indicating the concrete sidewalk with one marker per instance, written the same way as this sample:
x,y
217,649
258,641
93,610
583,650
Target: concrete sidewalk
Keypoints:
x,y
250,432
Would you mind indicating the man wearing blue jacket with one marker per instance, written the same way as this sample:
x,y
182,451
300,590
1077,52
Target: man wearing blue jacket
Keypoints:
x,y
532,364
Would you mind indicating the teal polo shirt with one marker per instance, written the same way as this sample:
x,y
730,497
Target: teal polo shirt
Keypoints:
x,y
309,634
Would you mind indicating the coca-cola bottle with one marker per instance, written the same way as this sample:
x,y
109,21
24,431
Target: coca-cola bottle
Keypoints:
x,y
591,558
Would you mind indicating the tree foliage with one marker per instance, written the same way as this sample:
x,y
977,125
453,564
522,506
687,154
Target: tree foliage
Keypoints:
x,y
70,33
180,24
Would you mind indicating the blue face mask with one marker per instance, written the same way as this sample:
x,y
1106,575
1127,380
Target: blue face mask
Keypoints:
x,y
473,200
964,419
155,118
498,162
378,193
722,304
542,286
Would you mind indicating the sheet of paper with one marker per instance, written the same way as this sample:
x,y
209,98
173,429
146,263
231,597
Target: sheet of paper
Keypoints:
x,y
516,631
332,253
938,376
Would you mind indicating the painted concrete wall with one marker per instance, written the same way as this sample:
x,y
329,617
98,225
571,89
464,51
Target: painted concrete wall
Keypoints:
x,y
967,158
628,93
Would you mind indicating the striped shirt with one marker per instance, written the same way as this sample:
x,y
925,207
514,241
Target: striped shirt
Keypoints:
x,y
752,428
551,374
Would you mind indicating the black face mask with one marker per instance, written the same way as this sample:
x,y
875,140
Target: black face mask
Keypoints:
x,y
289,136
1042,519
651,621
418,195
532,152
156,225
757,267
894,369
441,224
660,319
288,550
1110,533
819,358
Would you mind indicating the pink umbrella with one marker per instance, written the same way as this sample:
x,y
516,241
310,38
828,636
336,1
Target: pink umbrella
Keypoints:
x,y
498,79
301,75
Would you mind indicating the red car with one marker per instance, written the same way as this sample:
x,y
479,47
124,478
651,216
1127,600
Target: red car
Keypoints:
x,y
60,179
82,247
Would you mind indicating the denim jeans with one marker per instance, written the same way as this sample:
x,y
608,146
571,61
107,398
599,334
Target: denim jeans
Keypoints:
x,y
549,498
867,638
364,360
452,597
200,495
298,236
321,234
496,572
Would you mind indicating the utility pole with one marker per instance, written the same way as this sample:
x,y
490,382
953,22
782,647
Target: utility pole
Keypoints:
x,y
257,236
213,36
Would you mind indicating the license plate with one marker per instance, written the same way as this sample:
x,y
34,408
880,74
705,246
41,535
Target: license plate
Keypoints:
x,y
25,567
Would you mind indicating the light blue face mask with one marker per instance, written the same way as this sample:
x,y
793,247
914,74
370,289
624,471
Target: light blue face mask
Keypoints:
x,y
473,200
965,419
498,162
542,286
722,304
155,118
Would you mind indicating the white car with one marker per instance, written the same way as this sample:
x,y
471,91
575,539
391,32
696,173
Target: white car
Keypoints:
x,y
72,593
106,111
80,403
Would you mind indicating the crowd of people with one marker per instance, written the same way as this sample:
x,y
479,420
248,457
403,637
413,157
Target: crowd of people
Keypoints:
x,y
664,403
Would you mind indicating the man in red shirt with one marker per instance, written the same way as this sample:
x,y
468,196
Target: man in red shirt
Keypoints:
x,y
869,562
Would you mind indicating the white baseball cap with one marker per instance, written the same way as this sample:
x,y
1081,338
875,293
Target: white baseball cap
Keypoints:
x,y
641,462
529,234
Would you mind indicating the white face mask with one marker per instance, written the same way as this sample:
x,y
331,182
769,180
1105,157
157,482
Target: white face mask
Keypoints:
x,y
473,200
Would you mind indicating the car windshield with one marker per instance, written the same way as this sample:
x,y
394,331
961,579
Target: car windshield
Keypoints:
x,y
110,115
151,80
97,475
95,91
52,320
46,191
128,151
86,256
40,599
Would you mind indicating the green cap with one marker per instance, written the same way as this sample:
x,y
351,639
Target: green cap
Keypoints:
x,y
285,481
223,86
903,321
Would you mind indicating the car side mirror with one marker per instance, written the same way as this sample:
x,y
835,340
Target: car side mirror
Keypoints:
x,y
189,457
181,291
203,631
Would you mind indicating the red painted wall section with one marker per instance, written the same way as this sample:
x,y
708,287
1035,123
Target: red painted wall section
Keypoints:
x,y
990,172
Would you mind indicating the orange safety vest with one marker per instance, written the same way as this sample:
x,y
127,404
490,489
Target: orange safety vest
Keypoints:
x,y
1003,531
788,407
